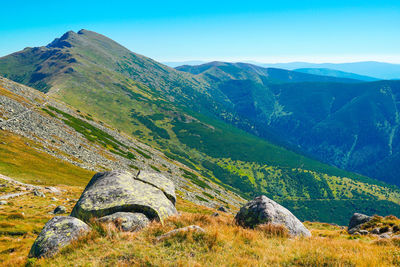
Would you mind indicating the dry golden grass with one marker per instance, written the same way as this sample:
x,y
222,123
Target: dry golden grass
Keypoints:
x,y
22,218
17,159
223,244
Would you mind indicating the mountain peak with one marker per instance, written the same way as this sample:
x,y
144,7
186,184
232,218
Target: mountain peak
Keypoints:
x,y
64,40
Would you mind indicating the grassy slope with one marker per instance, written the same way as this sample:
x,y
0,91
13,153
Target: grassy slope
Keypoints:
x,y
29,165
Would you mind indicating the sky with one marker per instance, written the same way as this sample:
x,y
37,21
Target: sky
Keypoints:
x,y
263,31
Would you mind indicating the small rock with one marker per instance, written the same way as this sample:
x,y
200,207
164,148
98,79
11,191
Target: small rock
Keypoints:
x,y
363,232
3,202
60,209
38,193
3,185
54,199
385,235
223,209
127,221
57,233
215,214
375,231
52,189
191,228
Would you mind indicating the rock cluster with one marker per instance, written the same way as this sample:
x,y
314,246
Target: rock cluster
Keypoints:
x,y
263,210
361,224
120,197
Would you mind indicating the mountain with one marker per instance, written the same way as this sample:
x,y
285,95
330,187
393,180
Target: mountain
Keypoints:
x,y
197,120
336,73
379,70
350,125
218,71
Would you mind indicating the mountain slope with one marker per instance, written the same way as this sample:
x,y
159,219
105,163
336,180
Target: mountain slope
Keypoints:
x,y
44,141
336,73
177,113
350,125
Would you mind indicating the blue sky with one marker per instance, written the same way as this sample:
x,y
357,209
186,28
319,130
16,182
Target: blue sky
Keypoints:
x,y
263,31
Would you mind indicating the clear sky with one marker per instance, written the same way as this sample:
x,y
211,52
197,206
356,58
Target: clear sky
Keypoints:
x,y
263,31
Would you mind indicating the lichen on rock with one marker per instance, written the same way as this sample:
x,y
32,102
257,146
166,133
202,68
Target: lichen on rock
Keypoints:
x,y
119,191
57,233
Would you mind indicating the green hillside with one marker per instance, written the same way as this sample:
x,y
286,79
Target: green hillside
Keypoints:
x,y
178,113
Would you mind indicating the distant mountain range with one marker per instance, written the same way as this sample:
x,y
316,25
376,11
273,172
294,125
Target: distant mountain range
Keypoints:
x,y
371,69
250,129
336,73
379,70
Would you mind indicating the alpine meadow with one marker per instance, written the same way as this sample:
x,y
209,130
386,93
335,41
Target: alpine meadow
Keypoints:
x,y
245,148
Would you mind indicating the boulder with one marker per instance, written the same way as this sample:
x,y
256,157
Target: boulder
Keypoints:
x,y
160,181
3,202
191,228
263,210
60,209
120,191
356,221
127,221
57,233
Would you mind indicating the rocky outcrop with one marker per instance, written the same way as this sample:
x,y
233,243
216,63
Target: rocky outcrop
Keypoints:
x,y
126,221
262,210
120,191
57,233
356,221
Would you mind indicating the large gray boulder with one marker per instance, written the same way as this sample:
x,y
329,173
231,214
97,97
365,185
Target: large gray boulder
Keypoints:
x,y
262,210
120,191
127,221
160,181
356,221
57,233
